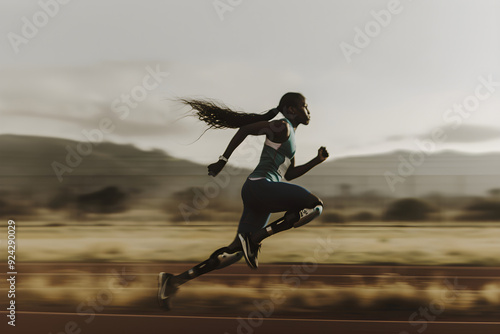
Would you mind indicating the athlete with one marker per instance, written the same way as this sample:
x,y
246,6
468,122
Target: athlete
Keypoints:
x,y
263,192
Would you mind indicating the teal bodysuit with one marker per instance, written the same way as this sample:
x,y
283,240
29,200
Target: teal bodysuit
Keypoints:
x,y
275,158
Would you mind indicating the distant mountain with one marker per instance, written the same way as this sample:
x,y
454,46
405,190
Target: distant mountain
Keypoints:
x,y
27,155
32,164
442,163
41,165
404,173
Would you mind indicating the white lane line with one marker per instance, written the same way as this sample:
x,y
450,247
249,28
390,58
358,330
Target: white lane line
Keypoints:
x,y
270,319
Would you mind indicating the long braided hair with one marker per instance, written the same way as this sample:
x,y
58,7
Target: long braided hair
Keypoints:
x,y
218,116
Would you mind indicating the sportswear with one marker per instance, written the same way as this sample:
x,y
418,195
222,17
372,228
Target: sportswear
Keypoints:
x,y
275,158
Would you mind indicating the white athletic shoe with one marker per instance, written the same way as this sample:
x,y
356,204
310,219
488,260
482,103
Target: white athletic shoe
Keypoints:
x,y
165,290
250,250
306,215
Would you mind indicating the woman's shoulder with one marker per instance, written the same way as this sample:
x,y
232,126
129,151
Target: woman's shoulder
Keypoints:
x,y
281,130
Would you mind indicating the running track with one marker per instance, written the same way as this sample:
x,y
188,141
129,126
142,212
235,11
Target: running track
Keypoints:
x,y
139,322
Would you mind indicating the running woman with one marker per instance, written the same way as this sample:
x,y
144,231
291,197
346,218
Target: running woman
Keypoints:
x,y
263,192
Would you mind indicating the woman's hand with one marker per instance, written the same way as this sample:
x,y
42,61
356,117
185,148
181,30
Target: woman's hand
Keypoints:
x,y
215,168
322,154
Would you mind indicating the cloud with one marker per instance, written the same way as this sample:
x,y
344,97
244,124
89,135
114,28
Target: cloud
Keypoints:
x,y
77,98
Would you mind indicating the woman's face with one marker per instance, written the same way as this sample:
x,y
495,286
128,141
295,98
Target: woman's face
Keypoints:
x,y
302,113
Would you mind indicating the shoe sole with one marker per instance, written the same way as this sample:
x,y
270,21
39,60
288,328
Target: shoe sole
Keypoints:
x,y
245,251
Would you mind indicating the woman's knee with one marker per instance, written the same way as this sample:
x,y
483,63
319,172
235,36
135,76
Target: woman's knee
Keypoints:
x,y
313,201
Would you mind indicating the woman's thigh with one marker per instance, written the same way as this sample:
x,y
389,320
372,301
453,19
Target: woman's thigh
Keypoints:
x,y
282,196
252,220
262,197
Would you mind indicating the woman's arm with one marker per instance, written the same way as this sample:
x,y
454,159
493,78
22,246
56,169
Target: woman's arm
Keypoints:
x,y
294,172
276,131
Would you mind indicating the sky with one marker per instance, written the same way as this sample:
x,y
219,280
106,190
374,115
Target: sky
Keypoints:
x,y
378,76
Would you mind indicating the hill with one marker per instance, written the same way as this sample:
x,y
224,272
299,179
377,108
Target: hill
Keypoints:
x,y
30,165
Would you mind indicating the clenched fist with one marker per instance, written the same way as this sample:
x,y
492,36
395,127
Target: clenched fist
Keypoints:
x,y
216,167
322,153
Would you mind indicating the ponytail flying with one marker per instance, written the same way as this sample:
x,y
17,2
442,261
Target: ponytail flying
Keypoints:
x,y
219,116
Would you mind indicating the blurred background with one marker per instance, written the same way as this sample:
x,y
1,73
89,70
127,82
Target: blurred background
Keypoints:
x,y
100,163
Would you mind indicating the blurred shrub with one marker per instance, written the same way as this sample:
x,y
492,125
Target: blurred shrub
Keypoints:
x,y
481,210
61,200
191,204
363,216
408,209
333,217
10,210
107,200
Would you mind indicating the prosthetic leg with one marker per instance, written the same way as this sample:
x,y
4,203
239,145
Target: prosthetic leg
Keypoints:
x,y
168,284
250,243
290,219
219,259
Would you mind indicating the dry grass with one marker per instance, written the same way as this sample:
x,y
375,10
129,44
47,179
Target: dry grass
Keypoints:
x,y
390,295
353,244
